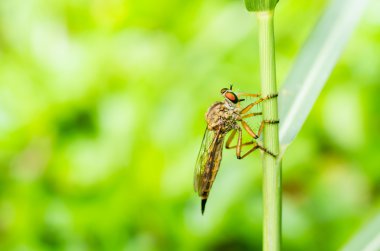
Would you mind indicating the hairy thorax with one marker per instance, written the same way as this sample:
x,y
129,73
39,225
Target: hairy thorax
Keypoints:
x,y
222,116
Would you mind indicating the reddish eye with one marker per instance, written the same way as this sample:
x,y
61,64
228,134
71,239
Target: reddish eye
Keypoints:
x,y
231,97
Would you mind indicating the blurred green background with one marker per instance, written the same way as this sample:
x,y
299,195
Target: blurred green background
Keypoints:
x,y
102,114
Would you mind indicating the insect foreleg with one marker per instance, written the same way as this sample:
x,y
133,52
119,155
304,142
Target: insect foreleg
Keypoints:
x,y
244,94
249,107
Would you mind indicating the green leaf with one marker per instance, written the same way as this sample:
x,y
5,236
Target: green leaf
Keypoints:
x,y
314,65
260,5
367,239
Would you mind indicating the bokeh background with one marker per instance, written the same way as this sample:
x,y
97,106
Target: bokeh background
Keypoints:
x,y
102,114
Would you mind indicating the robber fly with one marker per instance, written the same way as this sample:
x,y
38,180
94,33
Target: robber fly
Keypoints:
x,y
221,118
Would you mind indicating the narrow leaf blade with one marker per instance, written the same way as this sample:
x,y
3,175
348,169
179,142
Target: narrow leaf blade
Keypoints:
x,y
368,238
314,65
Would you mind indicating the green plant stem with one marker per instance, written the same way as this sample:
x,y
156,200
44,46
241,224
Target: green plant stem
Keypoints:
x,y
271,167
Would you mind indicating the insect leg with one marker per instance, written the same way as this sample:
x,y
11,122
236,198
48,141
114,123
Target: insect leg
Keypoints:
x,y
248,107
252,115
231,137
238,146
248,95
250,131
266,122
257,146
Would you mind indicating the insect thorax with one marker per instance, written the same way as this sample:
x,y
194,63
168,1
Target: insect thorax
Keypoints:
x,y
222,116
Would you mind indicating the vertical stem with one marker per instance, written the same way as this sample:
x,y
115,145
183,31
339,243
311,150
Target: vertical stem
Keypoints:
x,y
271,167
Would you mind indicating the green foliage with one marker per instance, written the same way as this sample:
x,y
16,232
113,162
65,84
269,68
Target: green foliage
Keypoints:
x,y
314,64
102,113
367,238
260,5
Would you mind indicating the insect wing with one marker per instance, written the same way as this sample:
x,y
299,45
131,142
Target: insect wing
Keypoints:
x,y
208,160
202,158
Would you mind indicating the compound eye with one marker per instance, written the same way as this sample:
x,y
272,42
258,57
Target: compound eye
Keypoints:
x,y
223,90
232,97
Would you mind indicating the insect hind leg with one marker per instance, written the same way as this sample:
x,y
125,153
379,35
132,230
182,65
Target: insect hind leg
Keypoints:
x,y
255,147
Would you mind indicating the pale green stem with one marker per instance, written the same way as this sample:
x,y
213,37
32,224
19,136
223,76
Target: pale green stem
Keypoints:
x,y
271,167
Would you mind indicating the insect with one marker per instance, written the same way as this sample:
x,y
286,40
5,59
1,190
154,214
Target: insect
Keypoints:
x,y
221,118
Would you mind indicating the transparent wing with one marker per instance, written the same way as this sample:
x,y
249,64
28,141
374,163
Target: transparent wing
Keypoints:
x,y
202,158
208,161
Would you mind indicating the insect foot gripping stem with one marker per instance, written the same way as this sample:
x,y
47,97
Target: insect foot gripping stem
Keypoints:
x,y
274,95
263,148
271,121
266,150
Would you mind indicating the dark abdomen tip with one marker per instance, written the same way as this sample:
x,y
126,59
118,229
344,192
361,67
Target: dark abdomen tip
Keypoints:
x,y
203,205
